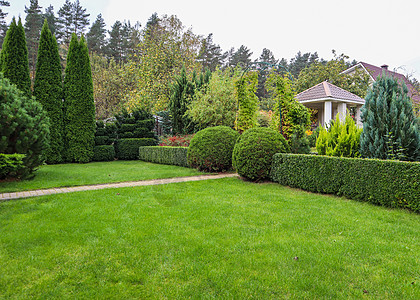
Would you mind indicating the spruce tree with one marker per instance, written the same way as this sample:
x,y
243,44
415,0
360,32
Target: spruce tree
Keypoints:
x,y
48,90
79,107
390,128
14,58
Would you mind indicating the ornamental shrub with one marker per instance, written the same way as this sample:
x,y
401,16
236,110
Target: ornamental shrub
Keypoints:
x,y
380,182
341,139
103,153
128,149
24,126
176,156
48,90
211,149
104,139
11,165
254,152
79,106
177,141
390,127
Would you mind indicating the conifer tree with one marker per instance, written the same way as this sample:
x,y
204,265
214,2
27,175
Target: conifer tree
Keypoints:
x,y
3,26
14,58
52,20
79,107
182,91
33,25
64,22
96,36
48,90
390,128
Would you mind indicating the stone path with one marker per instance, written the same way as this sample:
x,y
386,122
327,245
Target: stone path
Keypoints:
x,y
34,193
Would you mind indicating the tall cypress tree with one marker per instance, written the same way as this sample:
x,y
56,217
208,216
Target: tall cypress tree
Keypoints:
x,y
79,107
14,58
390,128
48,90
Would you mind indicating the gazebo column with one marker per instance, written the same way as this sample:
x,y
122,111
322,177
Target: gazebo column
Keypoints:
x,y
327,112
359,116
342,111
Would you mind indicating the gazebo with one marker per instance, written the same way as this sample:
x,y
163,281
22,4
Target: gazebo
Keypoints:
x,y
330,100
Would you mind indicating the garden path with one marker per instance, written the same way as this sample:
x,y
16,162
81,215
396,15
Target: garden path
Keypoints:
x,y
35,193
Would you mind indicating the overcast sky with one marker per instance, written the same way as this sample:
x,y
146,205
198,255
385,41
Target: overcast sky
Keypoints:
x,y
374,31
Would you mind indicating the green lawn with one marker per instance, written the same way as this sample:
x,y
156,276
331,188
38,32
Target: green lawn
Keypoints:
x,y
64,175
210,239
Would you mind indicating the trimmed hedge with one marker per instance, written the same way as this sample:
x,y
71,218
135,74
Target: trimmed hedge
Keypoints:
x,y
388,183
103,153
176,156
128,149
11,165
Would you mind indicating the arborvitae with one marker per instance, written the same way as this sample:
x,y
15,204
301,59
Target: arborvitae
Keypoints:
x,y
48,90
182,90
79,107
14,58
390,128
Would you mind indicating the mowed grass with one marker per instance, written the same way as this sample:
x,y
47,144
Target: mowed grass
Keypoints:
x,y
64,175
222,238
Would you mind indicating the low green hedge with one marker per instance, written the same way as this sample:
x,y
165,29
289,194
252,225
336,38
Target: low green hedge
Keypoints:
x,y
176,156
103,153
382,182
128,149
11,165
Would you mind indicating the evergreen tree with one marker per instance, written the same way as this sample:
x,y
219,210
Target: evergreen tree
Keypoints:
x,y
48,90
80,18
64,22
115,45
301,61
14,58
210,55
79,107
182,91
390,128
242,57
3,26
52,20
96,36
266,57
33,25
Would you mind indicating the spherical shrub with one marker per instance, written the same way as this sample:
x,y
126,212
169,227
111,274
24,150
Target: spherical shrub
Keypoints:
x,y
211,149
253,153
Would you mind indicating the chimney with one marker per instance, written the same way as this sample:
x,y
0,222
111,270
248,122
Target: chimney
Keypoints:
x,y
385,67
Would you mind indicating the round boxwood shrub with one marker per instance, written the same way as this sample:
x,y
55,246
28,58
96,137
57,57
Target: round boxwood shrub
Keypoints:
x,y
211,149
253,153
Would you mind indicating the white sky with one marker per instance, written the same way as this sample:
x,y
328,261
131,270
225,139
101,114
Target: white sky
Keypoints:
x,y
374,31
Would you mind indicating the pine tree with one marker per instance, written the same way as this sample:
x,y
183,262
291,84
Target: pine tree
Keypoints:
x,y
242,57
3,26
79,107
182,91
96,36
33,25
80,18
64,22
210,55
115,44
390,128
14,58
52,20
48,90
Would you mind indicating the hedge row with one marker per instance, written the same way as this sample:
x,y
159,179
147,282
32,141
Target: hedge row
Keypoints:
x,y
176,156
382,182
128,149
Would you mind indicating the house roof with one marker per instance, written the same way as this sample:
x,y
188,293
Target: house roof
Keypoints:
x,y
327,91
375,72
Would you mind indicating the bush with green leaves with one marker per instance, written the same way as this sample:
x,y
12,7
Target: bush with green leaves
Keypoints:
x,y
167,155
211,149
254,150
24,126
104,138
134,130
380,182
246,88
390,127
341,139
11,165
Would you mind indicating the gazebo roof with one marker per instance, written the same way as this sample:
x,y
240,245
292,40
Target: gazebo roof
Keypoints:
x,y
326,91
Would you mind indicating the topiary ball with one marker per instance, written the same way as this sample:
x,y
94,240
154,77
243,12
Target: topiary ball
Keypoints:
x,y
211,149
254,150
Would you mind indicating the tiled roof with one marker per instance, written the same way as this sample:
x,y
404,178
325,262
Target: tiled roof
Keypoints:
x,y
325,90
375,72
